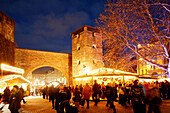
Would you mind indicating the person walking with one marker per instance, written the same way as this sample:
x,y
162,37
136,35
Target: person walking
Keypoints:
x,y
77,97
137,97
113,96
6,94
122,95
96,91
154,99
43,92
57,99
81,88
108,90
51,95
87,93
22,94
14,100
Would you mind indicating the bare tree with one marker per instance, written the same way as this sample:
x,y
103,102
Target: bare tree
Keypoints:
x,y
141,22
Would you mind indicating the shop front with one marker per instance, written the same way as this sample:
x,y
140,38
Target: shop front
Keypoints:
x,y
11,76
104,75
11,80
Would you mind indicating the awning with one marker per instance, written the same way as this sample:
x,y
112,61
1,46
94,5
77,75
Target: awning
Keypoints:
x,y
13,79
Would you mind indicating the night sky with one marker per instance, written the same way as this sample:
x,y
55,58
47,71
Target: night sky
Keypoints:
x,y
47,24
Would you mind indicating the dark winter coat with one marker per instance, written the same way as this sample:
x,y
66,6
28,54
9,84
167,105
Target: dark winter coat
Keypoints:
x,y
96,88
76,97
137,93
51,93
113,93
14,101
6,94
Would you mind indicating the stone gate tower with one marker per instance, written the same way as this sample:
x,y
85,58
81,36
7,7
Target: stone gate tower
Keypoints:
x,y
87,50
7,44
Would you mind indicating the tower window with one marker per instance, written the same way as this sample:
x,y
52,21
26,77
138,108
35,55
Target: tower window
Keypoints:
x,y
78,35
93,34
78,62
94,46
78,48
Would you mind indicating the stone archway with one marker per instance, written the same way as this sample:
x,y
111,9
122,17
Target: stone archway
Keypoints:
x,y
30,60
28,72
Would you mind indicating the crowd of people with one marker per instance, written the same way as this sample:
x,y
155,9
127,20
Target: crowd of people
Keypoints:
x,y
13,98
143,96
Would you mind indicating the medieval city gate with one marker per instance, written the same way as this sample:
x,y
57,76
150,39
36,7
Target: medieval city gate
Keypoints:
x,y
29,60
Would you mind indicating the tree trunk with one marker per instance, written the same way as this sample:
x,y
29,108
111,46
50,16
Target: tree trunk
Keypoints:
x,y
168,70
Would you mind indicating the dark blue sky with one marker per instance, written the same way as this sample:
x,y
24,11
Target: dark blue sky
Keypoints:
x,y
47,24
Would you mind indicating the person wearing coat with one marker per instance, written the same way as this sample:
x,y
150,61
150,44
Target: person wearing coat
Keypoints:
x,y
14,100
96,91
113,96
77,97
154,99
137,98
52,95
6,94
57,99
87,93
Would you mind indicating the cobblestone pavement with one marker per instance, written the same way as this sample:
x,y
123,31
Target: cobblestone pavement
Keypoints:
x,y
39,105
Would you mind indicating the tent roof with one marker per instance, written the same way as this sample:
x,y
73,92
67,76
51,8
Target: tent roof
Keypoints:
x,y
13,79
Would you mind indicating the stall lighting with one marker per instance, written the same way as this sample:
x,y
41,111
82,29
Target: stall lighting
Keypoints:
x,y
11,68
15,76
36,82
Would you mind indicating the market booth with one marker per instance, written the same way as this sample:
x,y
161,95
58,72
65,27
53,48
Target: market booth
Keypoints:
x,y
11,80
105,75
11,76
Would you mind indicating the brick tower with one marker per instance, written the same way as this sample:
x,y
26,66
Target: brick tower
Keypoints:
x,y
87,50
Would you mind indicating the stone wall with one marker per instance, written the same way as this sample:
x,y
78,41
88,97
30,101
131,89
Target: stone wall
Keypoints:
x,y
30,60
7,45
7,26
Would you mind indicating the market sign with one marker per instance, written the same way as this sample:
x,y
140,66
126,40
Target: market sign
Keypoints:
x,y
11,68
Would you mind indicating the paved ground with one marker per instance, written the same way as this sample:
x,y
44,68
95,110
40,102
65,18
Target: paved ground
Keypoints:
x,y
39,105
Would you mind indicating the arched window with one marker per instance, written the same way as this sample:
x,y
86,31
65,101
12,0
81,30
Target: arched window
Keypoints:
x,y
94,46
78,62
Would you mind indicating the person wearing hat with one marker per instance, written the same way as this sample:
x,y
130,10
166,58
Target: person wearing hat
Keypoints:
x,y
15,99
137,97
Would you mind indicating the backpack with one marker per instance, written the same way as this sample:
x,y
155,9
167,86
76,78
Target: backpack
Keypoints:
x,y
137,93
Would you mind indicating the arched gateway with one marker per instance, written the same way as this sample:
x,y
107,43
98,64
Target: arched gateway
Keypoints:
x,y
29,60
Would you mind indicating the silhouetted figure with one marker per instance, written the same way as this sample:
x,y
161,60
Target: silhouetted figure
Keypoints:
x,y
52,95
96,91
87,93
6,94
15,99
137,98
